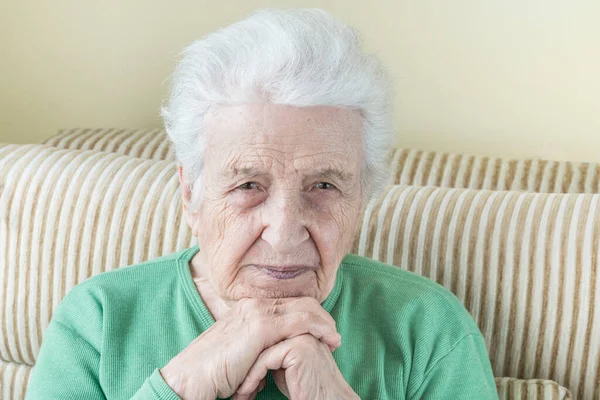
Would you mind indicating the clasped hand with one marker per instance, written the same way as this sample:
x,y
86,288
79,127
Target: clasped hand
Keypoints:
x,y
293,337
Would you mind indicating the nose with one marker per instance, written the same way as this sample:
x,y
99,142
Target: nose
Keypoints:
x,y
285,225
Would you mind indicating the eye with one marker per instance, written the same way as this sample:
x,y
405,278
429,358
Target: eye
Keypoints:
x,y
248,186
324,186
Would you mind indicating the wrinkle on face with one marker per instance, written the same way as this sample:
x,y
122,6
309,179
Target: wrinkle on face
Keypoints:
x,y
284,152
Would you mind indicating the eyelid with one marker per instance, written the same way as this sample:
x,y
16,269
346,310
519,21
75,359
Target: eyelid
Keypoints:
x,y
333,186
246,183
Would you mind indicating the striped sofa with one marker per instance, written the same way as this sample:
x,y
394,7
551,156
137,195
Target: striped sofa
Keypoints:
x,y
516,241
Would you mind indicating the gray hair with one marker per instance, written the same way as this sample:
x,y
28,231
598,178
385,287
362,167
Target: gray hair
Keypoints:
x,y
298,57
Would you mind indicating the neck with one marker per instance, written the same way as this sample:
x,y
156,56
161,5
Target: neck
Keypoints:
x,y
214,303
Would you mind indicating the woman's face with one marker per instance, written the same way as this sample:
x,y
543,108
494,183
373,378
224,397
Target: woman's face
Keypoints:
x,y
281,199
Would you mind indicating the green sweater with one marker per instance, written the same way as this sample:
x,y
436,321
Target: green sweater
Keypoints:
x,y
403,336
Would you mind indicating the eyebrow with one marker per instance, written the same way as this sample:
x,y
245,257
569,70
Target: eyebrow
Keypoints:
x,y
332,174
328,173
237,172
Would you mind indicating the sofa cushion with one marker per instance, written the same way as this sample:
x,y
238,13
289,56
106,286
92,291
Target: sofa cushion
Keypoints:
x,y
526,266
66,215
408,167
530,389
13,380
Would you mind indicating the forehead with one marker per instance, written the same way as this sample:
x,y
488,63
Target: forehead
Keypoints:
x,y
303,137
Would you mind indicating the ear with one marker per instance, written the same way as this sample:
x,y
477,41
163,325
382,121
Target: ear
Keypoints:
x,y
186,195
185,187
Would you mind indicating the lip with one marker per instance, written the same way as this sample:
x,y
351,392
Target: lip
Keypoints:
x,y
282,272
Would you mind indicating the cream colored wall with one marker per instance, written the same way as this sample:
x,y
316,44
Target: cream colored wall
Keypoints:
x,y
515,78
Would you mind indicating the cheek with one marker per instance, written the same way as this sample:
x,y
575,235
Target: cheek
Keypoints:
x,y
226,234
334,231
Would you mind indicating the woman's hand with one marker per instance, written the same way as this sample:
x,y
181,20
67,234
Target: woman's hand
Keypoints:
x,y
218,361
304,369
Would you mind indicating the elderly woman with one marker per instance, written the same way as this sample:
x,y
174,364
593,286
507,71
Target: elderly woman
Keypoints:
x,y
282,128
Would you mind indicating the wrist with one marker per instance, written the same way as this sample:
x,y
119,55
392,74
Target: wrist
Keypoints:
x,y
350,395
181,386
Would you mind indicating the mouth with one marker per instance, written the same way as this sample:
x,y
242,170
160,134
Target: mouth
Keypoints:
x,y
281,272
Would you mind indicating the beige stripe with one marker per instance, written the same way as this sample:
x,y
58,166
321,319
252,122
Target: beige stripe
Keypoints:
x,y
577,181
411,192
405,159
400,155
440,170
460,180
15,183
501,232
13,380
107,137
519,179
424,168
112,143
521,305
407,166
561,173
131,143
457,227
504,175
381,221
553,294
444,226
55,139
534,318
513,278
559,339
468,240
73,135
436,266
365,224
591,378
153,148
450,173
397,199
479,269
97,139
571,305
582,326
490,275
415,211
31,196
424,252
140,146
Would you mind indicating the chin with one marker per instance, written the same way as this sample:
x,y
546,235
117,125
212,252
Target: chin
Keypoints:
x,y
275,291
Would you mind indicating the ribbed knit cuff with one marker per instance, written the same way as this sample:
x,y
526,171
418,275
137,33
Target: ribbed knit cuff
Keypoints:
x,y
159,387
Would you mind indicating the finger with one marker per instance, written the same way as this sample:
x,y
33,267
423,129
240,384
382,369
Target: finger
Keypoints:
x,y
250,396
310,304
272,358
262,385
302,322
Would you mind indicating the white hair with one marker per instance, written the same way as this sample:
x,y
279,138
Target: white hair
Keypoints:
x,y
298,57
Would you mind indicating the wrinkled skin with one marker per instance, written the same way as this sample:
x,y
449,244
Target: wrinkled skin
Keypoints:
x,y
280,188
304,369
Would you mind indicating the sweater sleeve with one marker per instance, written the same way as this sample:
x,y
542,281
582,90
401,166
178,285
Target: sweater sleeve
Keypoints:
x,y
68,364
463,373
155,388
66,367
